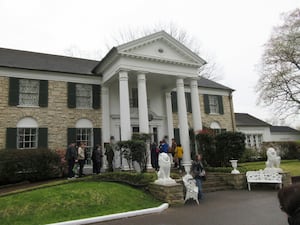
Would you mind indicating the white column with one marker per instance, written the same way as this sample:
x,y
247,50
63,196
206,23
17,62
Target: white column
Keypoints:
x,y
183,125
169,117
143,106
124,112
196,112
105,120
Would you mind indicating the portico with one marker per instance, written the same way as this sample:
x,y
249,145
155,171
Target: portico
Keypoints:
x,y
137,80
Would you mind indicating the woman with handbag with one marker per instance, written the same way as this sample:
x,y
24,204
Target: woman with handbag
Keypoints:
x,y
198,173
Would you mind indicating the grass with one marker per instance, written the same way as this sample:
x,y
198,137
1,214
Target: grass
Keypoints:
x,y
292,166
74,200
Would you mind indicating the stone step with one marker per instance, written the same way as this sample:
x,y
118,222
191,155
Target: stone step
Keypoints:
x,y
217,188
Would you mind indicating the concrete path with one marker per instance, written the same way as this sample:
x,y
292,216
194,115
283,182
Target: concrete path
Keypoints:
x,y
258,207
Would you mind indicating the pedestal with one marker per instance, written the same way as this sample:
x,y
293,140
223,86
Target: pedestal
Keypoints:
x,y
172,194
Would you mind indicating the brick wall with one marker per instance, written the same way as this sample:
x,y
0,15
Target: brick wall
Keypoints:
x,y
57,117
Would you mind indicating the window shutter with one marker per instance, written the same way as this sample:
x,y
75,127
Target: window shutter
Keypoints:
x,y
220,101
96,96
71,135
97,136
43,98
188,101
13,98
71,95
43,138
177,135
206,104
11,138
174,101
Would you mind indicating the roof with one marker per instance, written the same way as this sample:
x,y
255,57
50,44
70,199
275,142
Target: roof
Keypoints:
x,y
206,83
39,61
283,129
245,119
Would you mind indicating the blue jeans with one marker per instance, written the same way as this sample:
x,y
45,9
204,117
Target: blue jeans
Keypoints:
x,y
199,185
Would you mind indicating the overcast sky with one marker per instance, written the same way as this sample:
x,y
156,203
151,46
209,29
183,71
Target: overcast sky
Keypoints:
x,y
232,32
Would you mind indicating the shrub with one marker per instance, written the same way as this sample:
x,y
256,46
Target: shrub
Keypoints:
x,y
135,150
229,145
133,179
250,155
29,164
287,150
207,146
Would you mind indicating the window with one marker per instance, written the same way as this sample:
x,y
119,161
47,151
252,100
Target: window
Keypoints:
x,y
84,96
29,92
27,138
134,101
213,104
254,140
215,126
85,135
188,101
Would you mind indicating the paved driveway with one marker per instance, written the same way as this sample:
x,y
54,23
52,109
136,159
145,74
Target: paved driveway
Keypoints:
x,y
219,208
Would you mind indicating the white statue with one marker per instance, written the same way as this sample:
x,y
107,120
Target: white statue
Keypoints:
x,y
273,161
163,174
191,188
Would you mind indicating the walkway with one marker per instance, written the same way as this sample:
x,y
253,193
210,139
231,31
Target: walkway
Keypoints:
x,y
258,207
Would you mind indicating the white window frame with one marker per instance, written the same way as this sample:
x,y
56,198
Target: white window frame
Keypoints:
x,y
29,96
84,94
27,133
213,104
84,127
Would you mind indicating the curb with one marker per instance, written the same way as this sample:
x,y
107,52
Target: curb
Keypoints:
x,y
115,216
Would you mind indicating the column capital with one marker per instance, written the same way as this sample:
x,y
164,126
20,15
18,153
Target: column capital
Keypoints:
x,y
123,75
194,83
141,77
179,82
104,90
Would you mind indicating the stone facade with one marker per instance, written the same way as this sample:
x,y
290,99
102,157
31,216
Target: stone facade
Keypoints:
x,y
172,194
226,120
57,117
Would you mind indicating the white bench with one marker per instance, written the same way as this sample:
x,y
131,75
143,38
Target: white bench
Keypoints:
x,y
191,188
263,177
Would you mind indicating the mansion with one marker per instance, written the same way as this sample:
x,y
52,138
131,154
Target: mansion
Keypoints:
x,y
149,85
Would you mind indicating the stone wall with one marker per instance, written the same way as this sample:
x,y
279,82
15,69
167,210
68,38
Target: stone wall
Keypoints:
x,y
172,194
57,117
226,121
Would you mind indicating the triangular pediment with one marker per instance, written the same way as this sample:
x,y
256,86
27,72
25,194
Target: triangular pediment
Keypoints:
x,y
160,46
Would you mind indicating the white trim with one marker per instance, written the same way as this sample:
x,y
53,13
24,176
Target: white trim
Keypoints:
x,y
51,76
27,122
116,216
84,123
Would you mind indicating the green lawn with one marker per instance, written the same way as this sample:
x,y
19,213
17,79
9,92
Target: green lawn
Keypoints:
x,y
71,201
292,166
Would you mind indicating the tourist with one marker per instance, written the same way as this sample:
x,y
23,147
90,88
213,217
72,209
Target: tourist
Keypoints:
x,y
164,147
198,173
154,156
81,158
178,156
172,151
71,158
96,158
289,199
109,152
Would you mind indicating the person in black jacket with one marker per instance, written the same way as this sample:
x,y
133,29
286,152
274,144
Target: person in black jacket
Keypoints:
x,y
71,157
97,159
198,173
289,199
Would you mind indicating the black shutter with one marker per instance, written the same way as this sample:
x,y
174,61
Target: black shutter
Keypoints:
x,y
188,101
43,98
96,96
71,95
11,138
43,138
71,135
97,136
177,135
206,104
220,102
174,101
13,97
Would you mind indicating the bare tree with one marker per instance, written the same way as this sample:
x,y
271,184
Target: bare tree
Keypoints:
x,y
210,70
279,83
75,51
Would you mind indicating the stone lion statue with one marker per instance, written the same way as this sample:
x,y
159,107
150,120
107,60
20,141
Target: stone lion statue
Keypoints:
x,y
273,161
163,174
